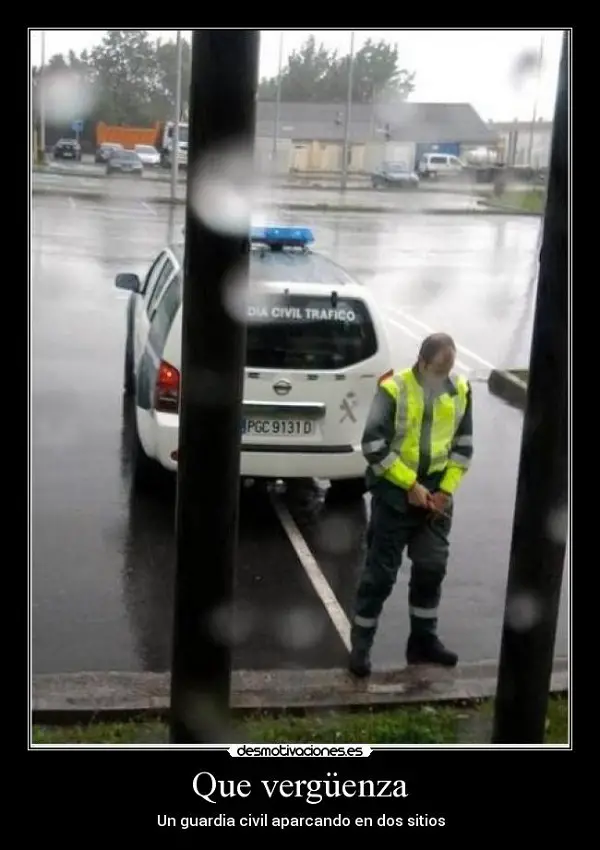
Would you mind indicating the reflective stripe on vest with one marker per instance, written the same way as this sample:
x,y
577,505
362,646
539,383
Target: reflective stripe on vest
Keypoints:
x,y
448,410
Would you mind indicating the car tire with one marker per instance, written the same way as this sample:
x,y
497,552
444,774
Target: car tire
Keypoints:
x,y
145,471
348,489
128,375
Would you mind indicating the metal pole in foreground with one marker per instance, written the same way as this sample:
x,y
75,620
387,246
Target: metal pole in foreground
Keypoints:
x,y
222,112
175,147
541,511
42,100
277,105
348,116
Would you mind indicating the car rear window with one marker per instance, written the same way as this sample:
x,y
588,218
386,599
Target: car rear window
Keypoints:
x,y
308,333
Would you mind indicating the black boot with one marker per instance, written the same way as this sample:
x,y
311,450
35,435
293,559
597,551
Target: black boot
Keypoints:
x,y
428,649
359,663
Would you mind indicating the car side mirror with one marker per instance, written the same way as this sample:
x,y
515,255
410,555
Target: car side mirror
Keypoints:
x,y
128,281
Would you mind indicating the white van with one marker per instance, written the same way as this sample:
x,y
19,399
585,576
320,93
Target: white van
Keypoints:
x,y
433,165
316,349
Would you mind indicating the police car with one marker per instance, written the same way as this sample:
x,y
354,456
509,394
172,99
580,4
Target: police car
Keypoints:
x,y
316,348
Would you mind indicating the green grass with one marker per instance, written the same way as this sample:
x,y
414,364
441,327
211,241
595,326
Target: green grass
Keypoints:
x,y
531,200
420,725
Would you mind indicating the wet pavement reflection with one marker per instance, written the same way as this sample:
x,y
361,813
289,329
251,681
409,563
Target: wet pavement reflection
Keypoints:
x,y
103,559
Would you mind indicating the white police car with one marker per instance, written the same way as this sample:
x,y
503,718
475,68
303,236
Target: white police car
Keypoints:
x,y
315,351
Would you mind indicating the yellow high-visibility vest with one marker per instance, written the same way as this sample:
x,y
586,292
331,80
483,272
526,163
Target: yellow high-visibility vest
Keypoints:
x,y
401,464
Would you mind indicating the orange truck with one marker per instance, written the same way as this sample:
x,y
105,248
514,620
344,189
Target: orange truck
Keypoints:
x,y
129,137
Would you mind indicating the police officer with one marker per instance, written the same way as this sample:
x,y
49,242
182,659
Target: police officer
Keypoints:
x,y
418,442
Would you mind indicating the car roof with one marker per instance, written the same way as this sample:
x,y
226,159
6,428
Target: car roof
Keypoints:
x,y
308,272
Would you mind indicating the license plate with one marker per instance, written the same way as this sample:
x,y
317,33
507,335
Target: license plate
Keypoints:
x,y
258,427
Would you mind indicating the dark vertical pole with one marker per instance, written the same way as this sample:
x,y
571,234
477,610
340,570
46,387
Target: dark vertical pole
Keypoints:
x,y
222,112
540,524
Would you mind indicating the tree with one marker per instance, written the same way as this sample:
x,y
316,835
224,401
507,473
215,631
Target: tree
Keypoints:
x,y
316,74
166,57
125,77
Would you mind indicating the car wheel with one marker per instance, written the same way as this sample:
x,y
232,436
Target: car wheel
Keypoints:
x,y
348,489
146,472
128,376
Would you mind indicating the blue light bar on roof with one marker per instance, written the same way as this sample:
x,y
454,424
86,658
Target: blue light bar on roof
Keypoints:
x,y
292,237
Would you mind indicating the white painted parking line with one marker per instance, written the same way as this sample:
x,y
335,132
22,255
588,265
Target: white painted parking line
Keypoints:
x,y
148,208
313,571
72,203
419,337
471,354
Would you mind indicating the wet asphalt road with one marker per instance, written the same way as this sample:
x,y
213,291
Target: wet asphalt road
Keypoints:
x,y
123,188
103,560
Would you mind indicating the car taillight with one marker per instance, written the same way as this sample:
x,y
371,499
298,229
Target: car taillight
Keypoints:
x,y
385,376
166,395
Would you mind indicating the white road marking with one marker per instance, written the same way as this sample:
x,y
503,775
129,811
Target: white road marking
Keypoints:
x,y
313,571
148,208
429,329
72,203
419,337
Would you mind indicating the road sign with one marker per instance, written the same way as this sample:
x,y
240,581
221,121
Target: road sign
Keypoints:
x,y
77,126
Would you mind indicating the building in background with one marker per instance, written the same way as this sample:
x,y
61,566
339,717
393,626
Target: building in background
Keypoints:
x,y
525,143
310,136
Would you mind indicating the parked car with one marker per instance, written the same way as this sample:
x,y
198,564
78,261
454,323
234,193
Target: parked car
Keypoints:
x,y
105,150
316,348
395,175
67,149
433,165
124,162
148,154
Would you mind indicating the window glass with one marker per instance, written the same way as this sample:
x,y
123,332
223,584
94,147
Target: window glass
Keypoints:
x,y
308,333
152,275
164,315
161,281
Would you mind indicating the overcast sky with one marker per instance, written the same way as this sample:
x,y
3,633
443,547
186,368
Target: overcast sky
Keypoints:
x,y
474,66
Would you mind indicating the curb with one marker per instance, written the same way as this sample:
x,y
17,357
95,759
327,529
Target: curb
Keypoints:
x,y
92,195
499,209
307,184
63,699
508,387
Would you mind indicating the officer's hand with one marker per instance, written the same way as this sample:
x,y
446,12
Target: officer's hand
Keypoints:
x,y
439,502
419,496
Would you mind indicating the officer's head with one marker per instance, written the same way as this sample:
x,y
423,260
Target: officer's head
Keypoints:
x,y
436,359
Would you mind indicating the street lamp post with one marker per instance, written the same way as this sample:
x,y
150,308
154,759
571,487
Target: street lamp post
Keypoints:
x,y
175,146
277,106
535,103
42,99
348,116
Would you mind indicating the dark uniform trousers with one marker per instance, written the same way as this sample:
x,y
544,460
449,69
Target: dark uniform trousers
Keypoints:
x,y
392,530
